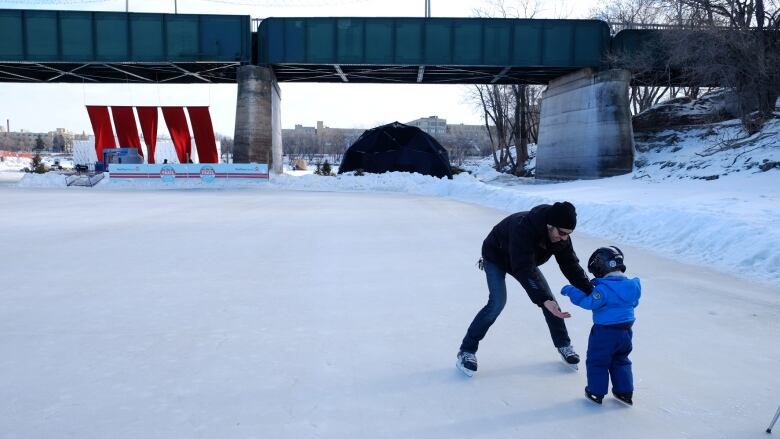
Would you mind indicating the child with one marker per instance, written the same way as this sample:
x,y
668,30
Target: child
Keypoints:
x,y
613,300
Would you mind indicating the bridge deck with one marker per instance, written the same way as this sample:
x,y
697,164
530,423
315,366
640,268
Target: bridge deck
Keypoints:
x,y
112,47
429,50
105,47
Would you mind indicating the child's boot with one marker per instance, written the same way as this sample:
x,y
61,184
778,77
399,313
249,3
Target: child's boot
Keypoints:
x,y
595,398
624,397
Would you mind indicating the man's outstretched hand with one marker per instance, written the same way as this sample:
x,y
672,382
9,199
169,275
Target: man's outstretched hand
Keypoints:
x,y
553,307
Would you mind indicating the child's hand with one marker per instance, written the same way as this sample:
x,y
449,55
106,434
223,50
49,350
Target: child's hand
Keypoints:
x,y
553,307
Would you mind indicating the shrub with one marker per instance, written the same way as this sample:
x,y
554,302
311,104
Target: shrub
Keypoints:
x,y
455,170
37,166
324,169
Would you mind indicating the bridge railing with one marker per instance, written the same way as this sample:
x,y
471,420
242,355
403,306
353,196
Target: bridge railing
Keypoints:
x,y
616,27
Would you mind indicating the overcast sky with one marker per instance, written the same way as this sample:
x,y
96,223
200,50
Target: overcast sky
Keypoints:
x,y
43,107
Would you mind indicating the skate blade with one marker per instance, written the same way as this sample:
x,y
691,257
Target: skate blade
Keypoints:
x,y
468,372
594,401
574,367
623,402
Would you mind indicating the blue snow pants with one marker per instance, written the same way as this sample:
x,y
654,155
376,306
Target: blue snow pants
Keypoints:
x,y
608,349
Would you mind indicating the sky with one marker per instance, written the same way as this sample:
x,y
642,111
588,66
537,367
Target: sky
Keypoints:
x,y
43,107
333,307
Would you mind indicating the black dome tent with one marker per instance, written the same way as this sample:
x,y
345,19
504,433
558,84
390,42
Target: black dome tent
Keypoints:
x,y
397,147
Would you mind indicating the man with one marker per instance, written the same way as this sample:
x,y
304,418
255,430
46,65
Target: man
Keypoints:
x,y
518,245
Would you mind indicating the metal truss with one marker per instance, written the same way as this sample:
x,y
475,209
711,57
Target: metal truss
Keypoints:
x,y
414,74
112,72
220,73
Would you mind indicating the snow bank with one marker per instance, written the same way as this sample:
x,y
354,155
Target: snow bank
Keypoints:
x,y
14,163
731,225
47,180
705,151
181,183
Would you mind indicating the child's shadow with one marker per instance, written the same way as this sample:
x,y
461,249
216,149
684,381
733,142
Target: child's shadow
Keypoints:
x,y
488,425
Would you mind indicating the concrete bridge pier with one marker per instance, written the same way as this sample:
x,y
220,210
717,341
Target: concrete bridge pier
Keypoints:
x,y
585,127
258,134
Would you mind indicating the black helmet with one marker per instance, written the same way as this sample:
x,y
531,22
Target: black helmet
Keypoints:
x,y
606,260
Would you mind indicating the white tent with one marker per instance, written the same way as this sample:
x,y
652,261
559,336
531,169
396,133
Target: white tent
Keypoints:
x,y
165,151
84,152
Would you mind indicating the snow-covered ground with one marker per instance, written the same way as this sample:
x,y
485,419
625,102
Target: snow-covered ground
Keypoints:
x,y
13,164
333,306
10,177
731,224
706,151
281,313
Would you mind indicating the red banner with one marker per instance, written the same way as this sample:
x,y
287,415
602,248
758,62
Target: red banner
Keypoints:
x,y
180,132
204,134
148,118
126,128
101,126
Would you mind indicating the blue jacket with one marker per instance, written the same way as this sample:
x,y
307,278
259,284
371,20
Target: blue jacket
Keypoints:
x,y
613,299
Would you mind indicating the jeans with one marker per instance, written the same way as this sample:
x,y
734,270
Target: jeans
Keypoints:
x,y
608,349
496,281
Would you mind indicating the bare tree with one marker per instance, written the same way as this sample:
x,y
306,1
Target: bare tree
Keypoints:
x,y
623,14
627,13
494,101
300,145
226,146
508,110
736,47
58,143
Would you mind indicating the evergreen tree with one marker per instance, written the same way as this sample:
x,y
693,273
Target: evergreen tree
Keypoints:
x,y
325,168
37,165
39,145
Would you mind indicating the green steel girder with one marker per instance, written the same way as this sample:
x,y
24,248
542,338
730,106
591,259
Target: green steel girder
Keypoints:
x,y
77,46
429,50
112,47
97,73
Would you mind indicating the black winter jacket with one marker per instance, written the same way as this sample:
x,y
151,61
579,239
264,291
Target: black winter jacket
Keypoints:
x,y
520,243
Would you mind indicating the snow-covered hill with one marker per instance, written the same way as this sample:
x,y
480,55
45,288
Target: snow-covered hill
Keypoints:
x,y
685,139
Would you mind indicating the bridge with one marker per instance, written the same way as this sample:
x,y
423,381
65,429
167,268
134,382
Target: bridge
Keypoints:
x,y
42,46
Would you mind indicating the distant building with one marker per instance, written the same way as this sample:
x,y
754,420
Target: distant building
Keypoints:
x,y
458,139
322,135
348,133
468,130
432,125
300,129
59,140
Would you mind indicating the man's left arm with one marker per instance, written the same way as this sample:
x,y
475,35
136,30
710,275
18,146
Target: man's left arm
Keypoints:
x,y
570,267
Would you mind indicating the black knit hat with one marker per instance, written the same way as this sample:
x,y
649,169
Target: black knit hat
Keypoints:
x,y
562,215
